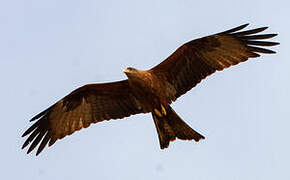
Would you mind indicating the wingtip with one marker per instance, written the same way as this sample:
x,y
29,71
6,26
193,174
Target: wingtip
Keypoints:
x,y
264,28
273,35
30,149
37,153
243,26
235,29
26,132
51,142
272,52
275,43
201,137
23,146
261,29
33,119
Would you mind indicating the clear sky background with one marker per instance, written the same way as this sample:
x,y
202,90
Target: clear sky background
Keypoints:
x,y
49,48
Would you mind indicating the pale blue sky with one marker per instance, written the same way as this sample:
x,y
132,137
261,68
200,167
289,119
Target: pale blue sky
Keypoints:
x,y
49,48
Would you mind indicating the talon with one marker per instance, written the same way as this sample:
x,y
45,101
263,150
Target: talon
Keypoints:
x,y
158,113
163,110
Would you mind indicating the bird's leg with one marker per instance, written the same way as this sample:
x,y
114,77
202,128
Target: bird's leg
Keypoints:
x,y
160,112
157,112
163,110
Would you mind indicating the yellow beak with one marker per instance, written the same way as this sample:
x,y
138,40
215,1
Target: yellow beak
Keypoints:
x,y
126,70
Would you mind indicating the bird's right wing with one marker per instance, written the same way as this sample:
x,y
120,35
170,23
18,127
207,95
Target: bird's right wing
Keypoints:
x,y
89,104
199,58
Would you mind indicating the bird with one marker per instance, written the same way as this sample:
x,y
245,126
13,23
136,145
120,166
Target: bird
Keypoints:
x,y
149,91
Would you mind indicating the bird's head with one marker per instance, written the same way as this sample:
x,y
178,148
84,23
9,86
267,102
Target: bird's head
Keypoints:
x,y
130,71
135,74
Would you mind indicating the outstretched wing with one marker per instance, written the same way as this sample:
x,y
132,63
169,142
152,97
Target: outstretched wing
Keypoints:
x,y
199,58
89,104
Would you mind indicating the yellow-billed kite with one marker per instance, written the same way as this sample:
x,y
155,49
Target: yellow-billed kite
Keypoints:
x,y
151,91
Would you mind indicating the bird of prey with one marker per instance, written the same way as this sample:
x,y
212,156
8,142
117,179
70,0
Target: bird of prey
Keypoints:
x,y
151,91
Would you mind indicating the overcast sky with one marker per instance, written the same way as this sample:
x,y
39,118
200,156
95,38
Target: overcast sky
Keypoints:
x,y
49,48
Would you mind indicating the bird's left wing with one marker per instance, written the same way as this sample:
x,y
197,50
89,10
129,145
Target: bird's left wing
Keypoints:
x,y
88,104
199,58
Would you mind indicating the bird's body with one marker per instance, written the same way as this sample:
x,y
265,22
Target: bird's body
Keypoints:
x,y
149,91
156,98
145,88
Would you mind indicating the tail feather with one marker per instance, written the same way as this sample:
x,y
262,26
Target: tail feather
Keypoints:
x,y
170,125
181,129
164,130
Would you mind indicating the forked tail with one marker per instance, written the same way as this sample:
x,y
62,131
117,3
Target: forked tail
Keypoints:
x,y
169,126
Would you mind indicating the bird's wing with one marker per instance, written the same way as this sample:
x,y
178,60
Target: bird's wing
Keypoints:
x,y
88,104
199,58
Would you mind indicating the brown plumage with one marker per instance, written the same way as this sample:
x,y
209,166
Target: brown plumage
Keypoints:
x,y
149,91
